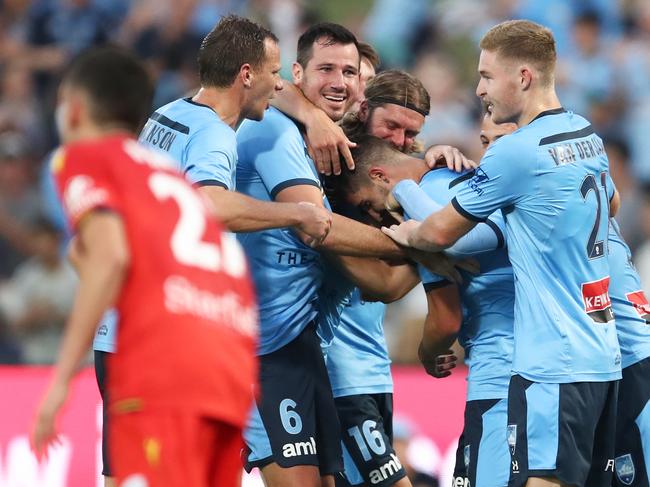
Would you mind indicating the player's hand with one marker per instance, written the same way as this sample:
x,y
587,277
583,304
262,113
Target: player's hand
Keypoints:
x,y
44,429
316,223
455,160
326,143
402,233
439,366
438,263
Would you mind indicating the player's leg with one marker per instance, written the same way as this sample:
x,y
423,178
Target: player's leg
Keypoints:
x,y
287,443
366,430
632,450
100,375
542,482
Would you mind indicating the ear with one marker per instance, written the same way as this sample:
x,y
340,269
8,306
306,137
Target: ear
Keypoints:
x,y
78,110
526,77
364,111
378,174
297,72
246,75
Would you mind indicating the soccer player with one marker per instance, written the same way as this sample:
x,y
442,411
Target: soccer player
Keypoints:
x,y
143,233
294,437
549,177
632,314
487,298
239,65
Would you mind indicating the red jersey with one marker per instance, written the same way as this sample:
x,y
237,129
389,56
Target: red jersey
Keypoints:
x,y
188,321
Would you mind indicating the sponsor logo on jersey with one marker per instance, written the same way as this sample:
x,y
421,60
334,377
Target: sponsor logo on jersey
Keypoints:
x,y
640,303
597,304
460,482
512,438
81,195
299,448
480,176
625,469
386,471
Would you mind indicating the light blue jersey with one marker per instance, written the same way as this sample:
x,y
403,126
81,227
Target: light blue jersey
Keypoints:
x,y
551,180
194,135
287,273
357,359
488,300
631,309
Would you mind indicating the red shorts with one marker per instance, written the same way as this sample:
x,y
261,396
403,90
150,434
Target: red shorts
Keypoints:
x,y
172,449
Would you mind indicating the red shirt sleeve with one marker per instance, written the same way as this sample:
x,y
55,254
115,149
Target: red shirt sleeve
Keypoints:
x,y
84,181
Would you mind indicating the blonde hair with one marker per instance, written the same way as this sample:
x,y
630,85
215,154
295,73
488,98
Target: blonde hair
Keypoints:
x,y
523,40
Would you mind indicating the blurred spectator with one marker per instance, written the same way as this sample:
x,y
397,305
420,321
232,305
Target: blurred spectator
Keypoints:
x,y
618,154
586,74
37,299
20,203
10,350
403,432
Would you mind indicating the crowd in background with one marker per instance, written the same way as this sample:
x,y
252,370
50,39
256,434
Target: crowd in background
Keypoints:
x,y
603,74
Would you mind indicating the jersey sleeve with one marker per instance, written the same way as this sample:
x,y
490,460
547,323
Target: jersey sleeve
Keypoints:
x,y
84,183
417,204
211,157
503,176
285,163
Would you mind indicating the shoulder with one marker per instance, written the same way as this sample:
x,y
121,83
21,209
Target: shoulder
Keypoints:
x,y
272,126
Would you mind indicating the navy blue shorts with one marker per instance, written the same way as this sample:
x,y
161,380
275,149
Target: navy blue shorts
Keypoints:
x,y
367,433
483,457
100,374
295,421
562,431
633,426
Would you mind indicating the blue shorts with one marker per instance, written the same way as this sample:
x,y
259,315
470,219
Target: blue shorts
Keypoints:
x,y
633,426
100,375
562,431
294,421
482,457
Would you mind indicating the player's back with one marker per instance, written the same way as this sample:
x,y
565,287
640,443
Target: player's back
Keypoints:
x,y
194,135
357,358
631,308
287,273
186,305
551,179
488,301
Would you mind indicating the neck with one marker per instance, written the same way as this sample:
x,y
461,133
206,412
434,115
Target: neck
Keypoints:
x,y
546,100
412,168
91,132
227,102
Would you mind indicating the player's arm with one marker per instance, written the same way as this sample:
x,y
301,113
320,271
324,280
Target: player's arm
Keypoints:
x,y
347,236
102,265
325,139
241,213
441,326
614,204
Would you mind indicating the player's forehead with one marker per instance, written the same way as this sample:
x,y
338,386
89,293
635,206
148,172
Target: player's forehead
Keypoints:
x,y
271,51
492,131
390,113
336,54
366,70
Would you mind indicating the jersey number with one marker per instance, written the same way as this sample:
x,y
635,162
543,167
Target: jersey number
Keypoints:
x,y
291,420
595,248
186,242
371,438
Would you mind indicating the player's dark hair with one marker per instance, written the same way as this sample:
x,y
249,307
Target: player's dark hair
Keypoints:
x,y
233,42
523,40
370,151
367,52
326,34
118,86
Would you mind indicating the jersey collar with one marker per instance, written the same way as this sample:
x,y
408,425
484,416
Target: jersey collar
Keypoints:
x,y
553,111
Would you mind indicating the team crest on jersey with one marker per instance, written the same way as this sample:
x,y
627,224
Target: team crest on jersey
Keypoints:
x,y
81,194
479,177
625,469
640,303
512,438
466,456
595,297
